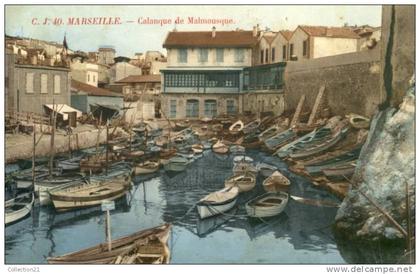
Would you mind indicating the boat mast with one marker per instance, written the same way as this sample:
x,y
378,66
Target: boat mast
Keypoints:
x,y
53,117
107,149
33,158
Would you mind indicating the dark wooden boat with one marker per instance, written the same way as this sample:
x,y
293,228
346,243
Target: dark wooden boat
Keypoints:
x,y
315,169
144,247
265,169
181,125
71,164
309,139
251,126
340,172
266,122
318,148
276,141
268,133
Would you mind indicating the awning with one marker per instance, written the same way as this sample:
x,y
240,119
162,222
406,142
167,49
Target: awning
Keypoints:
x,y
63,109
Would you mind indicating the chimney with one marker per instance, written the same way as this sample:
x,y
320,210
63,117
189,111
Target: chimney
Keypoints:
x,y
256,30
213,32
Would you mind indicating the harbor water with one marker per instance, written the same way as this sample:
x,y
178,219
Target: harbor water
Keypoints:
x,y
301,234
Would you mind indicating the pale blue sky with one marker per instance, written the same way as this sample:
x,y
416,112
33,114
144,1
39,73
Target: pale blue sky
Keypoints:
x,y
129,38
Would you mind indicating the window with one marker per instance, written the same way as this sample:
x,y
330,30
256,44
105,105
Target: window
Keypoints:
x,y
208,79
266,55
305,45
192,108
94,78
291,50
88,77
57,84
203,55
230,107
210,108
239,55
182,55
262,56
29,83
284,52
172,111
220,55
273,54
44,83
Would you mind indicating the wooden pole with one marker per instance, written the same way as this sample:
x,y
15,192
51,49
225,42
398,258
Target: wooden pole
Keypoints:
x,y
53,117
33,160
108,230
106,149
409,231
69,146
386,214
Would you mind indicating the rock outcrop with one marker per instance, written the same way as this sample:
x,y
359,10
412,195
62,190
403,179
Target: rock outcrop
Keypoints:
x,y
386,165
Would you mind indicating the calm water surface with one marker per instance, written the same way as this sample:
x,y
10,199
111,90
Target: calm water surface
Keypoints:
x,y
301,234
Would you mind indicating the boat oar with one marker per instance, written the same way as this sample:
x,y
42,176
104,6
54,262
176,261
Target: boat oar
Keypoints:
x,y
314,202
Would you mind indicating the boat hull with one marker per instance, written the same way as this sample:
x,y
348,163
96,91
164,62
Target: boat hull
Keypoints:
x,y
12,217
256,211
209,210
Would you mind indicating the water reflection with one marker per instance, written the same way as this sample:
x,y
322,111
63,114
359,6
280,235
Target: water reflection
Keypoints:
x,y
301,234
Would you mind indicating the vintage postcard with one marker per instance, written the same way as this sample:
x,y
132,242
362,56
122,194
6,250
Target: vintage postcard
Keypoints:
x,y
222,134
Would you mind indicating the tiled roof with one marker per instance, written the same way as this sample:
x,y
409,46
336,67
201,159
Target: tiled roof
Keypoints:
x,y
336,32
176,39
286,34
77,86
152,78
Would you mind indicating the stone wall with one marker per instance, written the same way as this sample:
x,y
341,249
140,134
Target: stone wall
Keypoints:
x,y
398,51
257,102
352,82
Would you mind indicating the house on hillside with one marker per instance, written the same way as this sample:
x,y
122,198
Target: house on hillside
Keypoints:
x,y
308,42
84,96
204,72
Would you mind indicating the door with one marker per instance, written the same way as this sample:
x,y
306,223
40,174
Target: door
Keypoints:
x,y
210,108
192,108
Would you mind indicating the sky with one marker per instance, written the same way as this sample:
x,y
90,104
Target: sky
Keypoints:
x,y
131,36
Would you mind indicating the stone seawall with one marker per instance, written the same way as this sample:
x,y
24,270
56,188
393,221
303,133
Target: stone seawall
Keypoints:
x,y
352,82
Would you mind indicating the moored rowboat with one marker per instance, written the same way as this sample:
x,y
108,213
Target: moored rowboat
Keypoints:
x,y
217,202
267,205
276,182
17,208
87,195
146,167
146,246
220,148
244,182
236,128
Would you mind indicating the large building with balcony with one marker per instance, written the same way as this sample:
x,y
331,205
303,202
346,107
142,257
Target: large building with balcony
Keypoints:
x,y
204,73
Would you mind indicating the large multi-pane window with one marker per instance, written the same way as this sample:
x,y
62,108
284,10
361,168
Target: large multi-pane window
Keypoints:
x,y
182,56
29,82
192,108
172,108
264,77
230,107
239,55
203,55
202,79
220,55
